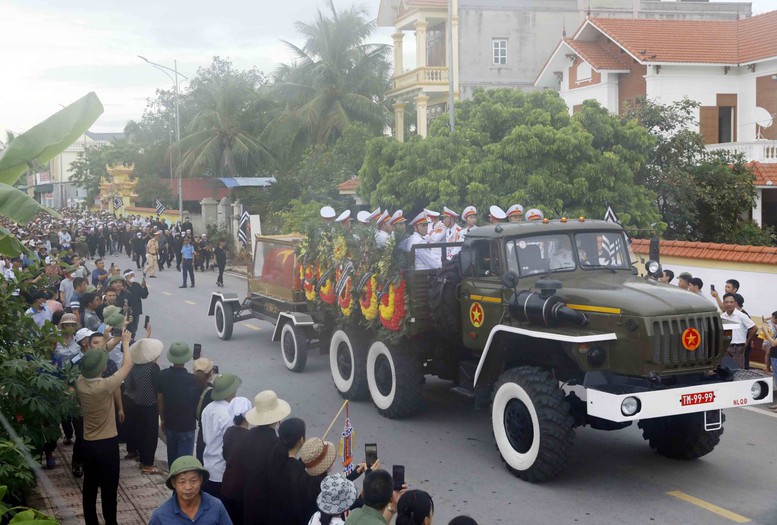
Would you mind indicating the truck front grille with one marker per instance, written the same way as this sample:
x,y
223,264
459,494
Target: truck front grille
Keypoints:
x,y
668,349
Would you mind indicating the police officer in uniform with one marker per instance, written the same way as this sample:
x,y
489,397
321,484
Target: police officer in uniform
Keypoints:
x,y
452,230
384,231
470,218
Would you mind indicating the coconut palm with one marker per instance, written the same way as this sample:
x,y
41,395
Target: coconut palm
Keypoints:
x,y
221,138
336,78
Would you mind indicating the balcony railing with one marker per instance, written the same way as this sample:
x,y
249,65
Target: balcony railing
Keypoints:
x,y
420,77
760,150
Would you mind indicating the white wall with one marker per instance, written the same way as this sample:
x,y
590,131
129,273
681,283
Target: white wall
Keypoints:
x,y
606,92
758,288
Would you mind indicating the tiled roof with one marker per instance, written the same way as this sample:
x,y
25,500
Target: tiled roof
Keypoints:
x,y
694,41
598,55
349,185
711,251
197,189
765,174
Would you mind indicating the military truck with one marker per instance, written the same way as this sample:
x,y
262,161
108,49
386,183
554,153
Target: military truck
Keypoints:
x,y
548,322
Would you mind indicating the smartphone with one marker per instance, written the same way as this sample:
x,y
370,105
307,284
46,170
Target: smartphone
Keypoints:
x,y
712,287
112,265
197,352
148,318
115,332
398,473
215,370
371,453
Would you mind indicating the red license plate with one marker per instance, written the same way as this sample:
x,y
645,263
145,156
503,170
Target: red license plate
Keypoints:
x,y
698,398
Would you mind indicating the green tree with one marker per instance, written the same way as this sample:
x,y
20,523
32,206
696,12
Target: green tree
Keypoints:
x,y
512,147
150,187
221,139
701,195
91,165
336,79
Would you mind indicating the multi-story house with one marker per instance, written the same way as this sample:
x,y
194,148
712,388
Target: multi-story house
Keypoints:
x,y
498,43
729,67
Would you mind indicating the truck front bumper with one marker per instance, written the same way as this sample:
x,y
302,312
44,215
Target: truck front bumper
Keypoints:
x,y
682,400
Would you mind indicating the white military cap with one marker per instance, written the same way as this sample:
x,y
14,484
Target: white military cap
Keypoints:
x,y
344,217
327,212
374,215
497,213
534,215
384,217
420,218
431,213
515,209
449,212
397,217
469,210
363,216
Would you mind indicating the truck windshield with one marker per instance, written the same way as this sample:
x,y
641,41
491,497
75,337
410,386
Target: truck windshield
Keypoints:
x,y
540,254
557,253
598,249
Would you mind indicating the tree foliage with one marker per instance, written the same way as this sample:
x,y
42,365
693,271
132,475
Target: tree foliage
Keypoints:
x,y
91,165
512,147
337,79
701,195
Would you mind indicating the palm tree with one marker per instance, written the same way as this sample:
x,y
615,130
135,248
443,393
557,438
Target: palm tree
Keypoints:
x,y
221,138
335,80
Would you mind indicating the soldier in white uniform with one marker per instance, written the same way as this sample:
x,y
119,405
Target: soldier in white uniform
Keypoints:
x,y
327,214
344,220
534,215
384,231
452,230
470,218
515,213
436,231
496,215
424,259
363,217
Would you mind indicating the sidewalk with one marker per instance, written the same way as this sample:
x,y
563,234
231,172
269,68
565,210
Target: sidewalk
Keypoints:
x,y
138,495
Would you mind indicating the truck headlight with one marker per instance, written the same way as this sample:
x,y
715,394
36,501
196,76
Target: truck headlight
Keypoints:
x,y
653,268
630,406
759,390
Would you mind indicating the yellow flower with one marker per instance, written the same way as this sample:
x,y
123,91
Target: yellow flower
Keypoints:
x,y
387,310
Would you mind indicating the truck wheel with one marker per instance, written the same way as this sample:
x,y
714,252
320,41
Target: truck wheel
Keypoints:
x,y
680,437
225,320
294,347
395,380
348,363
532,422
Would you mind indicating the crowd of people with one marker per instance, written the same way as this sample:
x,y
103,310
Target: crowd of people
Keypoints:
x,y
230,460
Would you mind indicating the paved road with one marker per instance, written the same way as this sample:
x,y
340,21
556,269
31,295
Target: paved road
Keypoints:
x,y
448,449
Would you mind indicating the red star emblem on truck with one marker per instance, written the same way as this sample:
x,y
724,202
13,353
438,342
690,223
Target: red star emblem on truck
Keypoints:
x,y
691,339
476,315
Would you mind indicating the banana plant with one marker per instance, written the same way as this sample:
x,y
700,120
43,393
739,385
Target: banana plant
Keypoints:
x,y
39,144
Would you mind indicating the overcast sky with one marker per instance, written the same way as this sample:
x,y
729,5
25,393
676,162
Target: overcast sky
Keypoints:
x,y
55,51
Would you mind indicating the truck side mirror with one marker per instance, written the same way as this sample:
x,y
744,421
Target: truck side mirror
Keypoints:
x,y
467,260
510,279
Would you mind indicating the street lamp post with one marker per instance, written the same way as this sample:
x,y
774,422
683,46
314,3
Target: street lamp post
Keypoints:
x,y
165,69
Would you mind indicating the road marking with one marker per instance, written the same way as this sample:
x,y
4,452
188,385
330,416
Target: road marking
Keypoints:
x,y
720,511
166,293
761,411
252,327
190,302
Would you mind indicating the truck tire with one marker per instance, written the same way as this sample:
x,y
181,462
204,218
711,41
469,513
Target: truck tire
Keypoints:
x,y
444,302
680,437
225,320
348,364
294,347
532,422
395,380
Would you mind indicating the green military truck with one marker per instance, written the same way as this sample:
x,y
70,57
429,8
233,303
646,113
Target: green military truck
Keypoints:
x,y
548,322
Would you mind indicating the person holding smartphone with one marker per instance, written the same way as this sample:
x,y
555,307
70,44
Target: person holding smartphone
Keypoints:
x,y
380,500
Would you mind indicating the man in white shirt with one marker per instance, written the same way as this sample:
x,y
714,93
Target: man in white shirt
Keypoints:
x,y
742,334
384,231
215,422
452,230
